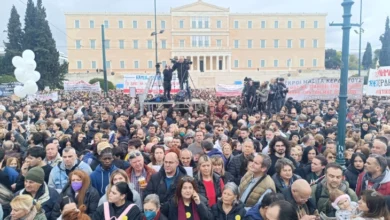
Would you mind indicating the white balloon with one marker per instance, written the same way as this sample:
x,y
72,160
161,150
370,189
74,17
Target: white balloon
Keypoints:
x,y
36,76
20,75
28,55
18,62
30,65
30,87
20,92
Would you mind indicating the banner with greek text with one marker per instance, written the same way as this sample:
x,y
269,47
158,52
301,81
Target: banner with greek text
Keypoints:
x,y
81,86
379,82
7,89
229,90
323,88
140,81
43,97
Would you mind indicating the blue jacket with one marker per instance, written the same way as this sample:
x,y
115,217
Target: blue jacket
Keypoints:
x,y
101,178
12,174
253,213
215,151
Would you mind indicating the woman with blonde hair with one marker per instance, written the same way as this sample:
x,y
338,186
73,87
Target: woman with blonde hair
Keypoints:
x,y
24,207
219,168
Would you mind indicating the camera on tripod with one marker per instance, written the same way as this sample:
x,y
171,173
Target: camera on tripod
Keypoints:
x,y
185,61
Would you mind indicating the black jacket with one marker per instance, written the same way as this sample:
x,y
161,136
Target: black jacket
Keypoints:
x,y
156,184
133,214
278,184
170,209
351,175
182,72
228,177
237,210
91,199
167,75
309,207
217,186
271,170
234,167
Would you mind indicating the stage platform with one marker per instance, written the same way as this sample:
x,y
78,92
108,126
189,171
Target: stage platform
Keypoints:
x,y
195,103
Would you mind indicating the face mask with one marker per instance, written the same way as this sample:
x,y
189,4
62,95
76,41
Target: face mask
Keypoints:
x,y
76,186
182,134
149,215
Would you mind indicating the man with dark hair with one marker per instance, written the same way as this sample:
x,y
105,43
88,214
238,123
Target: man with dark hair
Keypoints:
x,y
35,157
315,171
279,148
4,177
100,177
121,136
257,212
376,176
333,180
209,149
105,129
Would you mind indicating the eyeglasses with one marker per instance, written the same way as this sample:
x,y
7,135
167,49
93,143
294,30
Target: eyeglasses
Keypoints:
x,y
134,155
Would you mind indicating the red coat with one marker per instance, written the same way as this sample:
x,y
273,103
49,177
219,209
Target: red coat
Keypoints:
x,y
384,186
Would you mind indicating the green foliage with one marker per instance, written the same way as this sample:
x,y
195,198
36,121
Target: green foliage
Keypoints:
x,y
367,57
7,79
332,59
109,83
384,56
376,58
353,63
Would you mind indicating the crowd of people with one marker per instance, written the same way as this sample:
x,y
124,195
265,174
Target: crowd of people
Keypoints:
x,y
87,156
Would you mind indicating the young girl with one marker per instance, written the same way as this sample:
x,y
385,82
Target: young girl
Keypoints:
x,y
342,203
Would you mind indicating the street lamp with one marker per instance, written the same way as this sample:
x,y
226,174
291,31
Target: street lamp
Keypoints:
x,y
360,35
155,33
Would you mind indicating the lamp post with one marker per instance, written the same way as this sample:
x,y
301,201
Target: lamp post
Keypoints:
x,y
155,33
104,62
346,26
360,36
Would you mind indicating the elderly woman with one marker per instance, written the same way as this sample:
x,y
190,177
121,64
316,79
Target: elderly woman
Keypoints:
x,y
152,208
284,175
24,207
229,206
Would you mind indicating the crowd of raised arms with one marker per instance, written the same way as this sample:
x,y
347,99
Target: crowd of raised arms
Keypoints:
x,y
91,157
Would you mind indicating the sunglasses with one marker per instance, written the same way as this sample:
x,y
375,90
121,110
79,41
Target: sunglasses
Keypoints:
x,y
134,155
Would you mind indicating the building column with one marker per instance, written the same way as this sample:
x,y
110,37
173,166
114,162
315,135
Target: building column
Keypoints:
x,y
205,63
211,63
223,63
229,63
198,63
217,62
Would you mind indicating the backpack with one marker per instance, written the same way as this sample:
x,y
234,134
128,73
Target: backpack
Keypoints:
x,y
88,158
180,96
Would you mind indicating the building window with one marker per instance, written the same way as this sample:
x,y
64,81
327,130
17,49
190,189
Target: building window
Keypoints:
x,y
249,63
276,63
276,24
289,24
236,43
182,43
162,25
93,65
135,24
236,24
289,63
150,44
200,23
206,23
262,63
316,24
219,43
276,43
249,24
262,44
315,43
249,44
149,24
314,62
122,64
78,44
301,62
302,43
76,24
181,24
150,64
91,24
219,24
106,24
200,41
107,44
120,24
164,44
263,24
121,44
289,43
79,64
206,41
92,44
235,63
136,64
193,25
108,64
194,40
302,24
135,44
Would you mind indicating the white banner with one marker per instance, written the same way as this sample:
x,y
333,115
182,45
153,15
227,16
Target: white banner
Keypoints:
x,y
81,86
229,90
43,97
379,82
140,81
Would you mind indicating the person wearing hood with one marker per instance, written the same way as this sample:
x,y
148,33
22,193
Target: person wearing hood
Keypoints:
x,y
101,176
165,181
229,207
320,192
355,168
257,212
210,151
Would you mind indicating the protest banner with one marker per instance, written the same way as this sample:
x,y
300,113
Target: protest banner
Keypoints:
x,y
229,90
323,88
43,97
81,86
140,82
379,82
7,89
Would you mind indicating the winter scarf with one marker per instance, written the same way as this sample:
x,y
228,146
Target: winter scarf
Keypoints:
x,y
182,212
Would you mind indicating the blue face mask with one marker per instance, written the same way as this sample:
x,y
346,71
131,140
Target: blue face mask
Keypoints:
x,y
149,215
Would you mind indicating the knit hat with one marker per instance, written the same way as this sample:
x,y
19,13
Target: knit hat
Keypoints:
x,y
36,174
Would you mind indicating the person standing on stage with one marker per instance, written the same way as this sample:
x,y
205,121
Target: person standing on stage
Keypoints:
x,y
182,67
167,81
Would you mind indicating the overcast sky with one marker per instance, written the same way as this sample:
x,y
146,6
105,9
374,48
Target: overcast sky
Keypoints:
x,y
374,14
